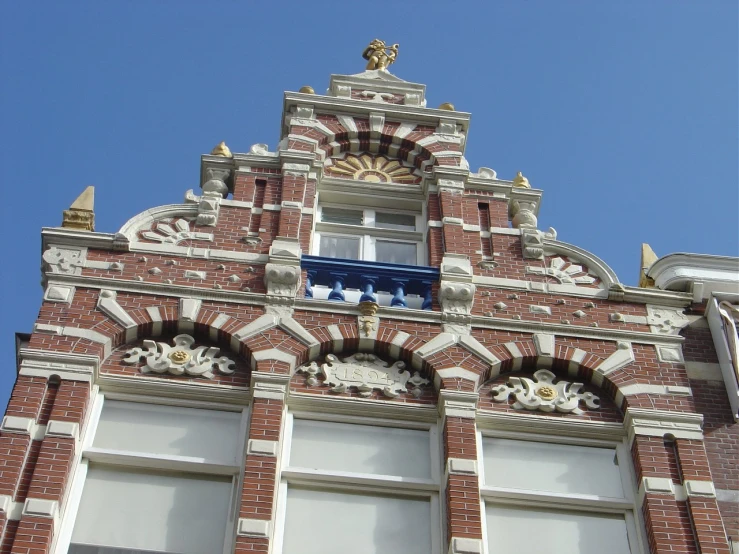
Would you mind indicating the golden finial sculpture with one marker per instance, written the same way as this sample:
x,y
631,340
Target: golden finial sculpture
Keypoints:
x,y
447,106
378,56
307,89
648,257
222,150
520,181
81,214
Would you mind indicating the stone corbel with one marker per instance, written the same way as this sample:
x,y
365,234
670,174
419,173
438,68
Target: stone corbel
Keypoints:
x,y
215,189
282,280
456,298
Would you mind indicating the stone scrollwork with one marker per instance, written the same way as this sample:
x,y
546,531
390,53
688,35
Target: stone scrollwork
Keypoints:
x,y
282,280
666,321
365,372
173,232
543,394
456,297
67,261
180,359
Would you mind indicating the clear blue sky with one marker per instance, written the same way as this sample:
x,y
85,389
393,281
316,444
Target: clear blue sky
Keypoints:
x,y
624,113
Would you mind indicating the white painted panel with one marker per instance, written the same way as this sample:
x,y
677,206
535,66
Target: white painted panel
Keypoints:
x,y
152,511
360,449
169,430
557,468
336,523
533,531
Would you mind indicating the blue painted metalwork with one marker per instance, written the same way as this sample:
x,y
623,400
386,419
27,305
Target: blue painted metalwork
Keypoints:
x,y
311,275
428,299
398,291
371,277
337,284
368,288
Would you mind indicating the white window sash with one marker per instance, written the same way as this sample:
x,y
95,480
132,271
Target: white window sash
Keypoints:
x,y
357,482
137,460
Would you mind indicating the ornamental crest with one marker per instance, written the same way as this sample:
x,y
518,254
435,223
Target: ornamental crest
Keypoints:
x,y
542,393
180,359
366,372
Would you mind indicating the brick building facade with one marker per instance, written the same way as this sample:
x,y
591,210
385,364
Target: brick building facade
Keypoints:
x,y
356,343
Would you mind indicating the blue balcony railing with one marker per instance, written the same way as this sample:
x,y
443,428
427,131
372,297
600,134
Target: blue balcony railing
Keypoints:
x,y
368,280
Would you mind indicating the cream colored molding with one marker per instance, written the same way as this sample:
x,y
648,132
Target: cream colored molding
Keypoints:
x,y
641,388
516,354
88,334
36,507
70,367
365,372
545,424
253,527
704,489
269,386
661,423
623,356
544,343
457,404
465,546
108,304
273,354
156,320
189,310
180,359
258,447
397,343
67,429
456,373
461,466
58,293
701,371
543,394
666,320
161,389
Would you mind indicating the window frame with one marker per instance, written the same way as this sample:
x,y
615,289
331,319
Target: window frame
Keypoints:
x,y
129,460
576,502
368,233
359,483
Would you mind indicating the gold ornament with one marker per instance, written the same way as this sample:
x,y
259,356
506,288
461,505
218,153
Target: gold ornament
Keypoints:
x,y
307,90
447,106
81,214
179,356
520,181
222,150
377,54
547,393
375,169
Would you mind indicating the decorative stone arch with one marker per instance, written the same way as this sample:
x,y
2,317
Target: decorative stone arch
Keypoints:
x,y
596,266
147,218
398,141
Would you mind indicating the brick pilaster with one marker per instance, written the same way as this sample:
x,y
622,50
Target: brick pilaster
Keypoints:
x,y
258,495
462,487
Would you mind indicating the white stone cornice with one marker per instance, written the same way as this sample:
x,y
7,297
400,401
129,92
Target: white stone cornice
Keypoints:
x,y
661,423
359,407
680,271
69,366
527,423
64,236
200,391
272,386
457,404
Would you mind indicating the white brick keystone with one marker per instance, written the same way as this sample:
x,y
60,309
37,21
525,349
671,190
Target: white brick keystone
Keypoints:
x,y
261,447
253,527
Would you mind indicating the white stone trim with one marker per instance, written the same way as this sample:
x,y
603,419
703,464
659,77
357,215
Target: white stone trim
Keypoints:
x,y
37,507
273,354
476,347
67,429
456,373
156,320
59,293
18,424
544,343
253,527
623,356
108,304
457,404
436,344
397,343
641,388
336,336
259,447
516,354
465,546
659,423
88,334
461,466
704,489
263,323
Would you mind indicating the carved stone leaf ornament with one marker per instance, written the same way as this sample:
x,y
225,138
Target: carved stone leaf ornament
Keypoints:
x,y
542,393
180,359
365,372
